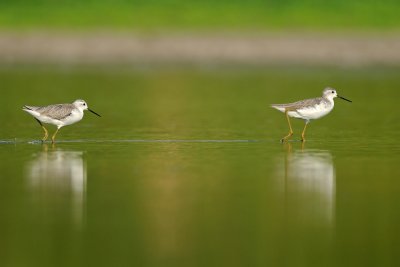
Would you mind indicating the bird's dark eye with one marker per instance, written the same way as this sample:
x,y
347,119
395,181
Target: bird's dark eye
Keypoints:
x,y
333,92
85,103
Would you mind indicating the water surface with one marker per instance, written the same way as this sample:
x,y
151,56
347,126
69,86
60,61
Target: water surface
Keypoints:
x,y
185,168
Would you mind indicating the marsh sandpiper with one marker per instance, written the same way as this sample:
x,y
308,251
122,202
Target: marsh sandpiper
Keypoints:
x,y
308,109
59,115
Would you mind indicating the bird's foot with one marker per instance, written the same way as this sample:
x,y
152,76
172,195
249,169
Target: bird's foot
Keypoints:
x,y
285,139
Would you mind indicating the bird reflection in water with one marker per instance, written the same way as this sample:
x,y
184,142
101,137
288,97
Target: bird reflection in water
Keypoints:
x,y
309,185
57,179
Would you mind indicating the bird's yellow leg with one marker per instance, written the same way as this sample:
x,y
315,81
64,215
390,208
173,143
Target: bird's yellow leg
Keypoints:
x,y
303,139
46,133
290,128
54,136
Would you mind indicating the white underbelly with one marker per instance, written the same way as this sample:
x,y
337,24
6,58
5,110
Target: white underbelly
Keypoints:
x,y
311,113
74,117
49,120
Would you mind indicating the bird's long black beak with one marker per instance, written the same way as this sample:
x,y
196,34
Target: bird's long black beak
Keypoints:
x,y
93,112
344,98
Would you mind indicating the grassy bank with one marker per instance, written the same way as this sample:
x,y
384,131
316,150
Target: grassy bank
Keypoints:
x,y
200,15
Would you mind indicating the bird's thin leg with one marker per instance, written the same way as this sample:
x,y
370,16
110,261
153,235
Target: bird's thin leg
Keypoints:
x,y
290,128
54,136
46,133
303,139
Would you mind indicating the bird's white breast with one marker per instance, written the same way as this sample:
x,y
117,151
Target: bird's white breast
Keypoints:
x,y
312,112
76,115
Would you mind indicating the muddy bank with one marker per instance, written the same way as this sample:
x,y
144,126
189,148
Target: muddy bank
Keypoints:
x,y
263,49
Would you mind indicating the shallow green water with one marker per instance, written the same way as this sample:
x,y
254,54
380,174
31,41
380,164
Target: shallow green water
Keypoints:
x,y
185,168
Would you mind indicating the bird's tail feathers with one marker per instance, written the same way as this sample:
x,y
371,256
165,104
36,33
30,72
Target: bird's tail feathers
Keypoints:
x,y
278,107
27,108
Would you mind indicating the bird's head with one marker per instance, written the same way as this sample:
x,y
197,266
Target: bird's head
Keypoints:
x,y
330,93
82,105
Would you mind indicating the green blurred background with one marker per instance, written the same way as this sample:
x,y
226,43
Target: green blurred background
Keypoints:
x,y
155,15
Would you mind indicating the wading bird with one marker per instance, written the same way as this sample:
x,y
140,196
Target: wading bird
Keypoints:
x,y
308,109
59,115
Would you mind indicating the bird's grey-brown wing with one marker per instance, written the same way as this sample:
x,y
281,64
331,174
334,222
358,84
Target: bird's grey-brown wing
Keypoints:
x,y
299,104
57,111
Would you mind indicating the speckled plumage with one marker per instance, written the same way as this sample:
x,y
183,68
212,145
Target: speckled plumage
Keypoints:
x,y
57,111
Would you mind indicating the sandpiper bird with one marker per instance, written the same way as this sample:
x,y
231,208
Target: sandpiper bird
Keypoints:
x,y
58,114
308,109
